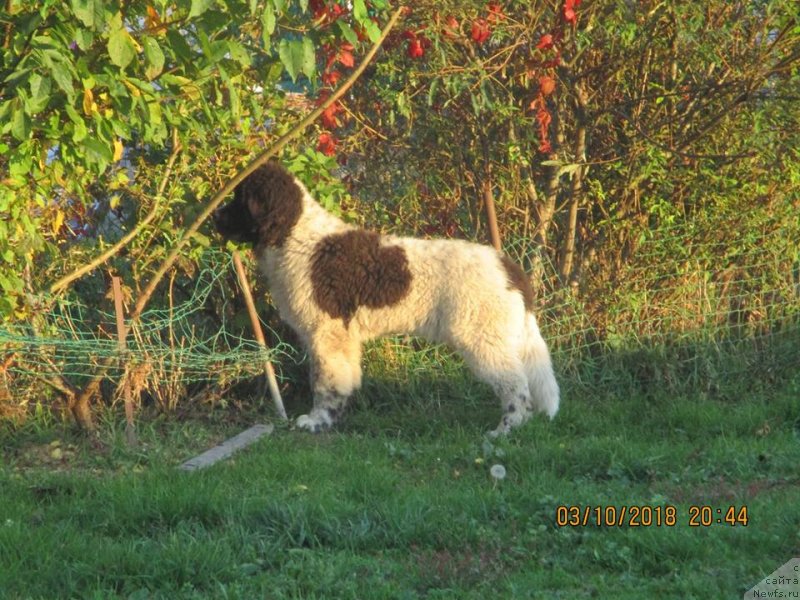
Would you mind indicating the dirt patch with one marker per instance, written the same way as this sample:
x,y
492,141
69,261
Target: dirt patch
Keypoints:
x,y
722,490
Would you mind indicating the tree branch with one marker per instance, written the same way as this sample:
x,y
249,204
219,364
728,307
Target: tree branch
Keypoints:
x,y
62,283
81,407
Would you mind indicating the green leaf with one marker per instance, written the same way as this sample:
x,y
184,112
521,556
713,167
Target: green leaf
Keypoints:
x,y
60,71
154,56
267,23
238,53
360,10
179,45
234,102
201,239
84,38
20,124
432,90
568,169
5,111
40,93
373,31
309,57
98,152
90,12
199,7
79,131
154,112
294,56
121,49
347,32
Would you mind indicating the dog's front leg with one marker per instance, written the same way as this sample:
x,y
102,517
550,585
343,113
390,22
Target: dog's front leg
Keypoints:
x,y
334,377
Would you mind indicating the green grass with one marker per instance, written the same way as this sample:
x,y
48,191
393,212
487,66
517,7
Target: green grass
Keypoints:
x,y
399,503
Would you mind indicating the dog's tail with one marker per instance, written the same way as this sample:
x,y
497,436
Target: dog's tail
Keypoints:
x,y
542,382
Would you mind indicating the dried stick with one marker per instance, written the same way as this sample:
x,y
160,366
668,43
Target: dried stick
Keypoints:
x,y
269,371
81,407
119,310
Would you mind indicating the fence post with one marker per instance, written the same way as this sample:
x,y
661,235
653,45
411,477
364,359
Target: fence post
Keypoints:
x,y
130,428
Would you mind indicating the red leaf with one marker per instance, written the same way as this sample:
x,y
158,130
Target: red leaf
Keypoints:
x,y
544,118
327,144
323,11
329,119
450,27
345,55
547,85
318,8
415,49
495,12
330,56
331,77
480,31
546,42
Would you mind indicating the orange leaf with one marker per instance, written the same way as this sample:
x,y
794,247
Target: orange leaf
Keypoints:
x,y
547,84
480,31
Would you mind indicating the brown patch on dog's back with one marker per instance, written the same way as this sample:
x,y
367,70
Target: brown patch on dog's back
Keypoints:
x,y
353,269
517,279
274,201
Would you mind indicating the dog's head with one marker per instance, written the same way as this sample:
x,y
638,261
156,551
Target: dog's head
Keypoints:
x,y
265,208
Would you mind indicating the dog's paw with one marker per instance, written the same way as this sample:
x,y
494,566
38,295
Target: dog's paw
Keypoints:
x,y
499,431
316,421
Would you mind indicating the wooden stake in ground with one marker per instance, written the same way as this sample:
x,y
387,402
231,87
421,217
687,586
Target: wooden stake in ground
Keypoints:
x,y
259,333
130,428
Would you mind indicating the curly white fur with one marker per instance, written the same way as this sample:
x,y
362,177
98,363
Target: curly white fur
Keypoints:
x,y
459,294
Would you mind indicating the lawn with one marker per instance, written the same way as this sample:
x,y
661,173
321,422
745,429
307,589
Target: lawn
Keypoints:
x,y
399,502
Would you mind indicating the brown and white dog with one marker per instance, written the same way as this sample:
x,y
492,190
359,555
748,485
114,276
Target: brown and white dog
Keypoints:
x,y
338,286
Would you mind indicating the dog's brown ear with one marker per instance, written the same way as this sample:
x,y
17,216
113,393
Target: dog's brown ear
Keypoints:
x,y
274,199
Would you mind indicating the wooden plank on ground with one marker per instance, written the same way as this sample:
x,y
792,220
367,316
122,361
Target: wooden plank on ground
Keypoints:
x,y
226,448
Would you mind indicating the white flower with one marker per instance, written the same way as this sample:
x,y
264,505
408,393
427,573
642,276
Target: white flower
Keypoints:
x,y
498,472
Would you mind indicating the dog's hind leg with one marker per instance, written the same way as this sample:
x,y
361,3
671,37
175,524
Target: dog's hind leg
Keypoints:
x,y
511,386
504,372
336,374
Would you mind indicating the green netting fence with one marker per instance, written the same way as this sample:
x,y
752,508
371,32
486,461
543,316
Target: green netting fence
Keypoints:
x,y
686,306
192,343
689,306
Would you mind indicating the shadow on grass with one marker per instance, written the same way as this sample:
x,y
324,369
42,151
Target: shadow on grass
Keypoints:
x,y
411,388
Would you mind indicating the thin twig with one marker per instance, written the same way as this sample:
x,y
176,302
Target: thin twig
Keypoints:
x,y
62,283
